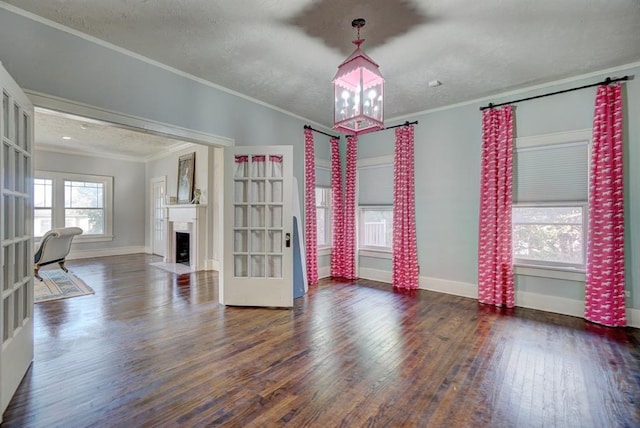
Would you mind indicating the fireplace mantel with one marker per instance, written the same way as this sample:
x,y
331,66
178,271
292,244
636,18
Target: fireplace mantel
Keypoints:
x,y
194,217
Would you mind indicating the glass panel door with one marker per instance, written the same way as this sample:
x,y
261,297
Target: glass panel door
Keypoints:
x,y
157,216
16,236
258,220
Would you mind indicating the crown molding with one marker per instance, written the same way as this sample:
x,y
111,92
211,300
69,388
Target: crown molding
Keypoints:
x,y
516,92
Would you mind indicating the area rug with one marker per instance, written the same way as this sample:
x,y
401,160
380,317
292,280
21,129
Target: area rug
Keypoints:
x,y
177,268
57,284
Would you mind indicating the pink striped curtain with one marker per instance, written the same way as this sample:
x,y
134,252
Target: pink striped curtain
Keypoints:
x,y
337,212
349,255
495,267
604,287
405,250
310,224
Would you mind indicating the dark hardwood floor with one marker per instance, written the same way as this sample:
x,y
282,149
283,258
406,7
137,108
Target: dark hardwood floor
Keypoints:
x,y
154,349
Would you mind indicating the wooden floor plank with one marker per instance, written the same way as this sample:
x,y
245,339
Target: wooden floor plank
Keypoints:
x,y
151,348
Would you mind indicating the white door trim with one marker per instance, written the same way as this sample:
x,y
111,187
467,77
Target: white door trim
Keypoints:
x,y
134,123
152,210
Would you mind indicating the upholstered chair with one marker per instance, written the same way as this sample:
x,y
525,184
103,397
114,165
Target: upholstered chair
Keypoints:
x,y
54,248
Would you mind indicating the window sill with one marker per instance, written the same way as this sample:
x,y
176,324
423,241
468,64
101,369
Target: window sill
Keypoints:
x,y
567,274
378,254
324,251
92,238
82,239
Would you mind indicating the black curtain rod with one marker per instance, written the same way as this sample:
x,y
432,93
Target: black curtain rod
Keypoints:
x,y
606,81
407,123
324,133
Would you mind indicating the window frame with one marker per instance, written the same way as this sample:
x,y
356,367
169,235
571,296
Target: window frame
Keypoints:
x,y
58,201
384,161
43,208
377,251
550,269
328,223
549,264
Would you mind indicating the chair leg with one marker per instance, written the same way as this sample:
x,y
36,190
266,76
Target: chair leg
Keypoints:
x,y
62,266
36,268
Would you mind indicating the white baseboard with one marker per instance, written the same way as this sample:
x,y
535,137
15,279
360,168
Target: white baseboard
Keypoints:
x,y
558,305
541,302
633,317
426,283
375,274
212,264
564,306
75,254
456,288
324,272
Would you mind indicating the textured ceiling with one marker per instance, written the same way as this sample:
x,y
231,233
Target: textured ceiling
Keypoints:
x,y
96,138
285,52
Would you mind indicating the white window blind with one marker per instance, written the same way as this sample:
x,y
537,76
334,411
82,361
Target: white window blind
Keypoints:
x,y
323,176
375,185
552,173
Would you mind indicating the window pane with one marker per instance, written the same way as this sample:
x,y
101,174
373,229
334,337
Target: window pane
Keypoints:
x,y
42,192
322,196
79,194
547,215
551,234
41,221
377,228
319,196
321,221
90,220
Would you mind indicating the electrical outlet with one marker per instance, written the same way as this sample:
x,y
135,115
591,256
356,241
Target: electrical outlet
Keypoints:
x,y
627,293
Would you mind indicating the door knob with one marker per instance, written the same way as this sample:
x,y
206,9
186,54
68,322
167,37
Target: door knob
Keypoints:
x,y
287,240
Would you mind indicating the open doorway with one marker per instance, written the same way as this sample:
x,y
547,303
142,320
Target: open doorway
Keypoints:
x,y
141,164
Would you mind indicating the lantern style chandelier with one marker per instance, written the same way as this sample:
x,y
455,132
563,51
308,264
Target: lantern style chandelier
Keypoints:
x,y
358,88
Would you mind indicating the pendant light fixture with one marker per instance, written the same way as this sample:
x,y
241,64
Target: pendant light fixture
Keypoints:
x,y
359,92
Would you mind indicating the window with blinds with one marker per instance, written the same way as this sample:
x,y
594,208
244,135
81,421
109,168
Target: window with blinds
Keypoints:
x,y
552,173
375,201
323,204
550,200
323,216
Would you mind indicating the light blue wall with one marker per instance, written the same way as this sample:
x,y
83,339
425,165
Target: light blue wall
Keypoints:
x,y
128,193
447,167
447,170
47,60
54,62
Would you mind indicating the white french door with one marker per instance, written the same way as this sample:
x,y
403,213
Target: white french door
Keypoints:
x,y
16,235
157,216
258,235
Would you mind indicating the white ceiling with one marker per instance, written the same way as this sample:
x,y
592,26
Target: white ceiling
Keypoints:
x,y
90,137
285,52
